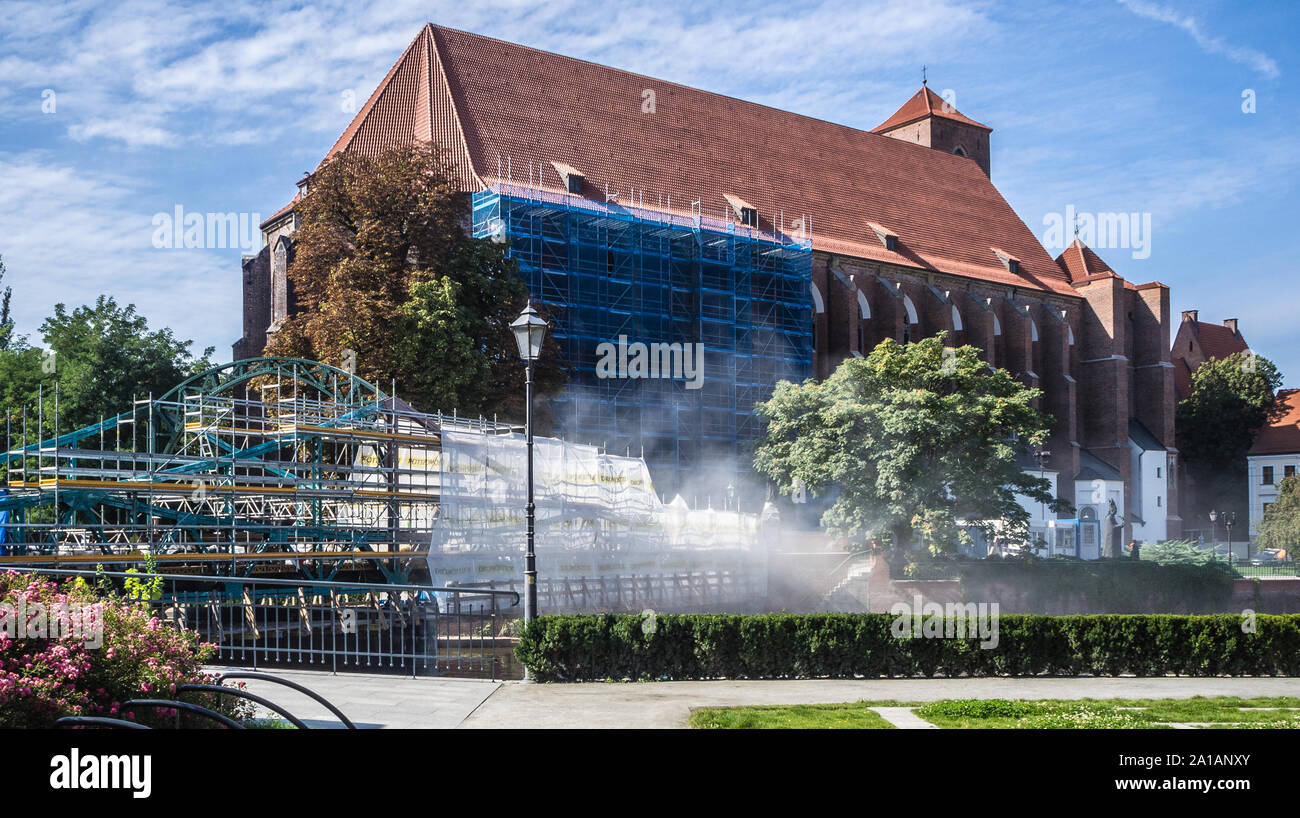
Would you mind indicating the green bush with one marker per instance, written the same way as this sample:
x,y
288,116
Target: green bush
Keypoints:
x,y
807,646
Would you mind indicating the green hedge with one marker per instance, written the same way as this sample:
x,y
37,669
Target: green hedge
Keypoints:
x,y
806,646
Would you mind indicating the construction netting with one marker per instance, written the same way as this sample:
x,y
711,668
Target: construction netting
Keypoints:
x,y
596,514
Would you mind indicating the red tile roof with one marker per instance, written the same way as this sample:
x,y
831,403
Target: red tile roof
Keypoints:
x,y
1282,436
1080,262
922,104
491,103
1217,341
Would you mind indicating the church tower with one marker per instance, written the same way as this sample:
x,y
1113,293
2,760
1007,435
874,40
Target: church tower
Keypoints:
x,y
928,119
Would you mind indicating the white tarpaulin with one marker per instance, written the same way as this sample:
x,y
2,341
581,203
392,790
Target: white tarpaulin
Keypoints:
x,y
588,504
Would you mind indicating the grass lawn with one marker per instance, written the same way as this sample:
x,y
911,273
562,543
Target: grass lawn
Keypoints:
x,y
795,717
968,714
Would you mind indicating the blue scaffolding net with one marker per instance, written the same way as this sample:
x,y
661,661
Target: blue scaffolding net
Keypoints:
x,y
673,326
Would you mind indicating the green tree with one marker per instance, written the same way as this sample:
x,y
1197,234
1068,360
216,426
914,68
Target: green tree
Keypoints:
x,y
105,356
1230,401
915,436
6,320
384,267
1280,527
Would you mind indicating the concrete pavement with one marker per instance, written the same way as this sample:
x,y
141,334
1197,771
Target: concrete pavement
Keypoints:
x,y
374,701
668,704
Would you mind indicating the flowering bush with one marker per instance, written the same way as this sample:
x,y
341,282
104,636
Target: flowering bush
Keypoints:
x,y
45,678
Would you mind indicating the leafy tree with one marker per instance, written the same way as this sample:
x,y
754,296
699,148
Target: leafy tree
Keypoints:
x,y
6,320
914,436
384,267
1280,527
1230,401
100,358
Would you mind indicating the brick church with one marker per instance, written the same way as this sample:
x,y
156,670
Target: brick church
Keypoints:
x,y
897,232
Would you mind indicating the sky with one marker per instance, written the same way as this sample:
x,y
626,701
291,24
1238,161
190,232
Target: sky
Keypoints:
x,y
115,118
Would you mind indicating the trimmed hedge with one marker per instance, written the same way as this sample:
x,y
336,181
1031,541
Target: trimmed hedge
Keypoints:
x,y
808,646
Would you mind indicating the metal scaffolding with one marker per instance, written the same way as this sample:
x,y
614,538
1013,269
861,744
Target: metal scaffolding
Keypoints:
x,y
312,470
285,468
651,275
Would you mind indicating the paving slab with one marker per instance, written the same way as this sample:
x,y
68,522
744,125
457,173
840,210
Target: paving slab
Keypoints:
x,y
904,719
373,700
618,705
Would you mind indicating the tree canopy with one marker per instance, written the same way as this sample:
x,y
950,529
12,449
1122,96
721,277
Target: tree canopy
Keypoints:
x,y
384,267
97,359
1230,401
917,436
1280,527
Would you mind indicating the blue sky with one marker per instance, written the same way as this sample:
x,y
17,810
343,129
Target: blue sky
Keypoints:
x,y
111,114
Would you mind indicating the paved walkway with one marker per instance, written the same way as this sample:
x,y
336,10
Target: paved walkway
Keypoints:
x,y
904,718
375,700
668,704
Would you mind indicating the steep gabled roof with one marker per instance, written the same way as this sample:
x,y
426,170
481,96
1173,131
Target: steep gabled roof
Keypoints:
x,y
494,104
1218,341
922,104
1282,436
1080,262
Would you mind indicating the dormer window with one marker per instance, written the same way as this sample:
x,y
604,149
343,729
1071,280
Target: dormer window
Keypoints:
x,y
572,178
887,237
1009,261
745,212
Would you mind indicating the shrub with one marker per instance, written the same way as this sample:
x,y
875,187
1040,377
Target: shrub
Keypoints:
x,y
803,646
43,679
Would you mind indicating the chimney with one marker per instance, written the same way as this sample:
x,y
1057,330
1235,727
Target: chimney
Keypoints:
x,y
1190,315
1231,323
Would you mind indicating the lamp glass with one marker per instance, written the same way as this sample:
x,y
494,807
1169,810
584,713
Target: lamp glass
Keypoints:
x,y
529,330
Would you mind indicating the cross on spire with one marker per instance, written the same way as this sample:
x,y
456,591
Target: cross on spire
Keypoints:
x,y
923,79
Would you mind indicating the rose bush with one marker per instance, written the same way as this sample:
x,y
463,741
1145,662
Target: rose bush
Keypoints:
x,y
65,674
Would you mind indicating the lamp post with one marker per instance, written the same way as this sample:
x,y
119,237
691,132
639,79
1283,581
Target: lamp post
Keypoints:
x,y
1041,456
529,330
1214,531
1230,517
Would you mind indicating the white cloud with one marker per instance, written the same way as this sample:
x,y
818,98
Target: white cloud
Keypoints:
x,y
68,234
1256,60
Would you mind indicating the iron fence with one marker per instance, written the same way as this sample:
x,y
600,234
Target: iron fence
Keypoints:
x,y
336,626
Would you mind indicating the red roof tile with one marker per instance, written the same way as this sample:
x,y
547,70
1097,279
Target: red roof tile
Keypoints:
x,y
497,104
1080,262
1217,341
922,104
1282,436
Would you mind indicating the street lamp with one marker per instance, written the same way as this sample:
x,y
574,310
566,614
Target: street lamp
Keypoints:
x,y
1041,456
530,330
1214,531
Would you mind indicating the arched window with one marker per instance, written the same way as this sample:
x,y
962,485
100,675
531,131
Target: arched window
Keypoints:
x,y
956,320
997,326
910,309
959,150
819,306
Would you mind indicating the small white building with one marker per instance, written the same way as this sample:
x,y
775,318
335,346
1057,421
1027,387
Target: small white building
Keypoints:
x,y
1274,457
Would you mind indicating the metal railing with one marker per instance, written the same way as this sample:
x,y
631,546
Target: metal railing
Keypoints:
x,y
1263,566
336,626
